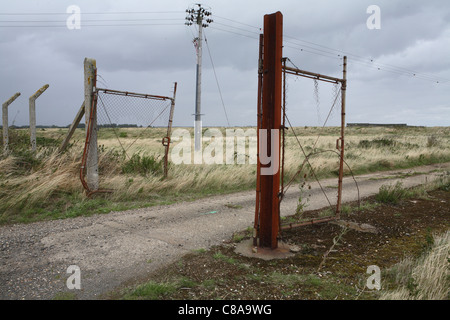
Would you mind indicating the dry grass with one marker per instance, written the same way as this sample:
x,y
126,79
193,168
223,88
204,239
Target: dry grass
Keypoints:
x,y
50,181
427,278
25,187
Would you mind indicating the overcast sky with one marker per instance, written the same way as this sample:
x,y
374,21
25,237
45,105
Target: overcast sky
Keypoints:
x,y
414,38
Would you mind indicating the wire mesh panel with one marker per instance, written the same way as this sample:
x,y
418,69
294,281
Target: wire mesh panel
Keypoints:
x,y
313,150
120,110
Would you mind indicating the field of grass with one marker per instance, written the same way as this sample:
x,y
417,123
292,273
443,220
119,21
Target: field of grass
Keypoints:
x,y
46,185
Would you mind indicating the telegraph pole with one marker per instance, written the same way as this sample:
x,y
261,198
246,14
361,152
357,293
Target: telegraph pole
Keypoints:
x,y
196,15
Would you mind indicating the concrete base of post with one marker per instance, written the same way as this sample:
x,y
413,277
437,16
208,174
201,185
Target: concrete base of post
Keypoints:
x,y
247,249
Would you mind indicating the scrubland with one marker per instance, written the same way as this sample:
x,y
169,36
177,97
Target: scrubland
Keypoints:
x,y
46,184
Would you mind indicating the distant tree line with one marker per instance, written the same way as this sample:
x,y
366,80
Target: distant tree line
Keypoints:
x,y
377,125
80,125
114,125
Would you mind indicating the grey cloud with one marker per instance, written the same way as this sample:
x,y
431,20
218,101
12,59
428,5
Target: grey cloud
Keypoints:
x,y
414,34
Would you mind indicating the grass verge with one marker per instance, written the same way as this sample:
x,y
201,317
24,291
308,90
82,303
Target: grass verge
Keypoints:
x,y
424,278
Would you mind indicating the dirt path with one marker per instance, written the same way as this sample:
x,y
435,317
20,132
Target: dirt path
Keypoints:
x,y
122,247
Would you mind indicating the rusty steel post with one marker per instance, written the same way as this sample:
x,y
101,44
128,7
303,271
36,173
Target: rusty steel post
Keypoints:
x,y
271,120
258,126
341,145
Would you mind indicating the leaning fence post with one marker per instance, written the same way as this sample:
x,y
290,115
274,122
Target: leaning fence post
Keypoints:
x,y
5,122
72,128
92,179
33,115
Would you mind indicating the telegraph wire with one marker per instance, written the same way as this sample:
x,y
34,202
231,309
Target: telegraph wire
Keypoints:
x,y
217,81
292,42
91,20
328,52
236,33
370,62
237,28
100,25
93,13
241,23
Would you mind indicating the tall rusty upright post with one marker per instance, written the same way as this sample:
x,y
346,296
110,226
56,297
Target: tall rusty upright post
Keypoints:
x,y
258,126
341,145
270,123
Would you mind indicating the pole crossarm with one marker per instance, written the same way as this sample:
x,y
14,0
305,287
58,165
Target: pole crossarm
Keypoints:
x,y
311,75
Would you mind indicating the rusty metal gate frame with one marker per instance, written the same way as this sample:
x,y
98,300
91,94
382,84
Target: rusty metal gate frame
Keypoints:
x,y
339,142
93,114
262,194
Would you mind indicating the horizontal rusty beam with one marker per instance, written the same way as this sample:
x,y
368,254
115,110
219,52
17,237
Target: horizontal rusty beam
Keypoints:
x,y
308,222
133,94
312,75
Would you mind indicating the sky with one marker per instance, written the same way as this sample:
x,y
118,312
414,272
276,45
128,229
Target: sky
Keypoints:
x,y
397,73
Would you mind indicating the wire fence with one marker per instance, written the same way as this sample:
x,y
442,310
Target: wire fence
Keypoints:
x,y
311,147
117,110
